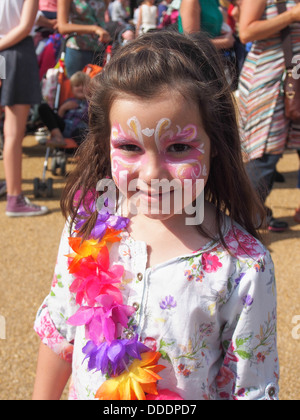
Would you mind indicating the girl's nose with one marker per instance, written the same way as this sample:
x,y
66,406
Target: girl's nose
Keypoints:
x,y
152,169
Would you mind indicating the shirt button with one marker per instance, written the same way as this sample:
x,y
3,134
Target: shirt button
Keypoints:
x,y
136,306
129,334
271,392
140,276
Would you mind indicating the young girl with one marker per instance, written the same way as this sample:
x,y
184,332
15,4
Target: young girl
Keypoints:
x,y
70,120
152,306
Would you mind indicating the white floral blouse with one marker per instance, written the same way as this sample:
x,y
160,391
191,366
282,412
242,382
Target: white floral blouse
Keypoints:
x,y
211,314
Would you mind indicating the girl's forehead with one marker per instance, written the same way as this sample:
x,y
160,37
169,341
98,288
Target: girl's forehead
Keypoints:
x,y
149,111
164,130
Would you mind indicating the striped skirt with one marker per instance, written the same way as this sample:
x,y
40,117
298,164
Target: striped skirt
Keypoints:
x,y
264,127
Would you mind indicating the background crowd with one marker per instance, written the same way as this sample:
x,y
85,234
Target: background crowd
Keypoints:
x,y
247,36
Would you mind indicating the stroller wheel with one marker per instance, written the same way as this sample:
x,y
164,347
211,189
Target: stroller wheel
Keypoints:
x,y
54,165
49,187
62,165
59,161
43,189
37,187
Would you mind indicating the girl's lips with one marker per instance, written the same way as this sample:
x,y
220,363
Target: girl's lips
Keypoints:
x,y
154,197
155,193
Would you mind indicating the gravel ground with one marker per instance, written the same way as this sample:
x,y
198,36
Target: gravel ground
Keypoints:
x,y
28,249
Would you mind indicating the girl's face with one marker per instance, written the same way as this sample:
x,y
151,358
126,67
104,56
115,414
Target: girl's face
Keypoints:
x,y
78,91
159,142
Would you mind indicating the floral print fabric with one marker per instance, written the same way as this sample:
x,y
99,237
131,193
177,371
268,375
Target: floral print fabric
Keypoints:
x,y
86,12
211,314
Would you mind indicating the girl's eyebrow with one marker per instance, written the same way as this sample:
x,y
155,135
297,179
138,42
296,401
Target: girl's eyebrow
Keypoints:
x,y
182,138
119,141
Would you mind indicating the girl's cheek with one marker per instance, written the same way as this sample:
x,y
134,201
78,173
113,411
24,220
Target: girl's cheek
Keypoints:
x,y
123,169
190,169
193,165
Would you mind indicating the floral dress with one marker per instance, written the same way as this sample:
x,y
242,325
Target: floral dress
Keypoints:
x,y
86,12
210,314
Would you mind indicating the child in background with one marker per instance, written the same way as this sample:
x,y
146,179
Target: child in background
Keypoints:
x,y
71,118
147,18
151,302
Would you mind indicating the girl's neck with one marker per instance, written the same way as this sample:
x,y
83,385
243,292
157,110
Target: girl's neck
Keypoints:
x,y
172,237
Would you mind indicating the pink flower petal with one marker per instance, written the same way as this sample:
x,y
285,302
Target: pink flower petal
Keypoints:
x,y
82,317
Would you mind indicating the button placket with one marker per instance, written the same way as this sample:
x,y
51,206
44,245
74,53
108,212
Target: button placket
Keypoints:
x,y
138,266
144,301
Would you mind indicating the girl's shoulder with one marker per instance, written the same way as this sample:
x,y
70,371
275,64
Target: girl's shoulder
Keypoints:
x,y
240,244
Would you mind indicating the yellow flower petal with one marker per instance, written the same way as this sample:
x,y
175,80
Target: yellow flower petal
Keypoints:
x,y
89,248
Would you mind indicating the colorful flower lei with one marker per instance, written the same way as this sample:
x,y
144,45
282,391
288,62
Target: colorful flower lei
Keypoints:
x,y
131,367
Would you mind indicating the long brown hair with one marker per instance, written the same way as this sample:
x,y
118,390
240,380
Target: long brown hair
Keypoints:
x,y
192,66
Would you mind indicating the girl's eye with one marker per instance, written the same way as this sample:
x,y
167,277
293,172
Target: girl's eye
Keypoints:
x,y
130,148
178,148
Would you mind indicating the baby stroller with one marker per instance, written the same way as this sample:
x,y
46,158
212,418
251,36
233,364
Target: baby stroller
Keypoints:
x,y
44,187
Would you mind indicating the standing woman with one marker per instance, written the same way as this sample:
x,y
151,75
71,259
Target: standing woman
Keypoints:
x,y
86,18
19,91
266,132
205,16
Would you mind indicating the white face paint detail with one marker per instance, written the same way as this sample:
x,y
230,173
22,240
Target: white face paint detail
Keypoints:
x,y
135,130
148,132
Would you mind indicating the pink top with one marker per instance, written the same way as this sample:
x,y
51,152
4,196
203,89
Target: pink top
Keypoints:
x,y
48,5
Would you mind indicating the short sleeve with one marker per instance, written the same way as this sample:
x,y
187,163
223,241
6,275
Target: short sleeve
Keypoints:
x,y
250,366
51,320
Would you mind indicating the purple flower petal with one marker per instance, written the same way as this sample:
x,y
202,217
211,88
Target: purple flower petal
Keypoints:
x,y
112,358
98,231
118,222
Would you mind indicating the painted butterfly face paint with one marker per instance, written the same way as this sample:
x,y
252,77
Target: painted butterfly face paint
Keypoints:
x,y
186,164
183,164
122,163
159,139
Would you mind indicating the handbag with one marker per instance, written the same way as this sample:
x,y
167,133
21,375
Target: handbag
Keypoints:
x,y
291,80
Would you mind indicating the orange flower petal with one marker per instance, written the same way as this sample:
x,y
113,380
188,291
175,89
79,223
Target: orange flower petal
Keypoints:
x,y
132,384
143,376
109,390
150,357
150,389
89,248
